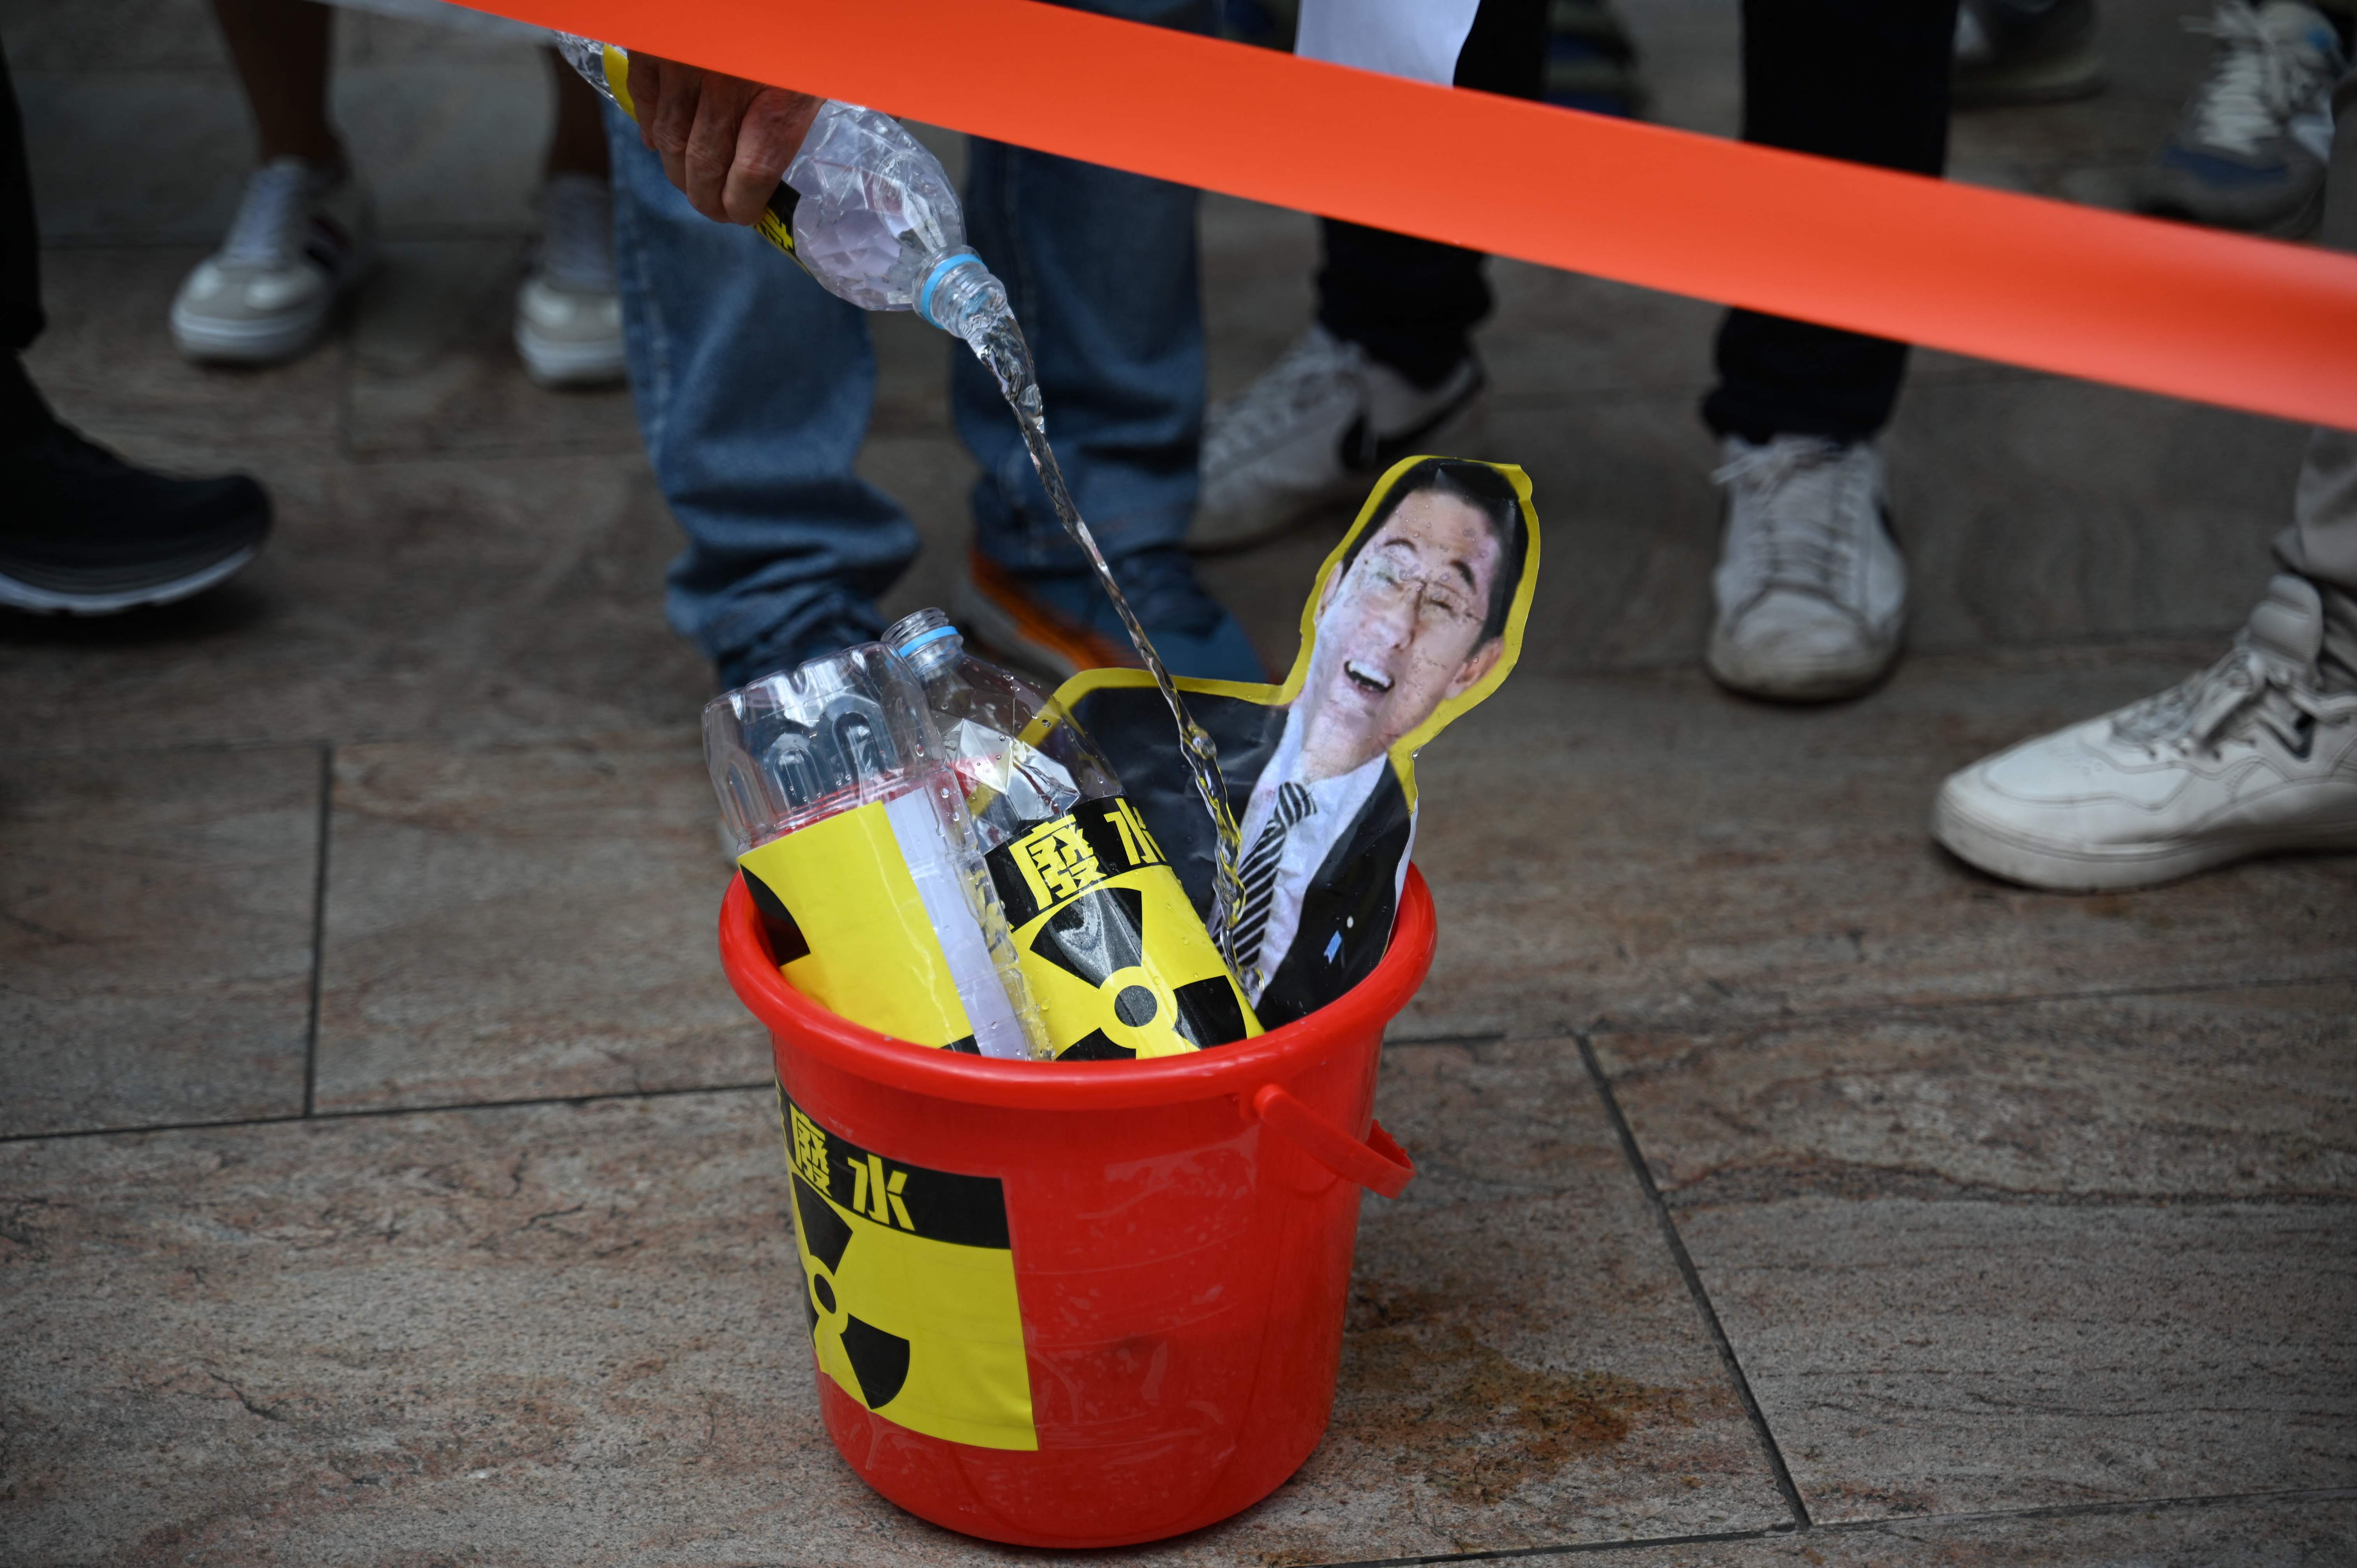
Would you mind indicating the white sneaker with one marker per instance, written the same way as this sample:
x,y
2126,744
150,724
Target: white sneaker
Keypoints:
x,y
1314,428
2251,147
568,321
1811,590
2251,757
298,245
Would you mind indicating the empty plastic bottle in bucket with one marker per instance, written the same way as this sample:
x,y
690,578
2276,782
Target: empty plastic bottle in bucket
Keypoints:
x,y
1111,950
852,834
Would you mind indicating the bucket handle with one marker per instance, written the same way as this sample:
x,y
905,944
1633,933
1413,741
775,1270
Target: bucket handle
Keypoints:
x,y
1379,1165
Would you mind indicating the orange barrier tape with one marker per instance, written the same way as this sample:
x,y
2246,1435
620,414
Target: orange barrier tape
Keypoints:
x,y
2164,307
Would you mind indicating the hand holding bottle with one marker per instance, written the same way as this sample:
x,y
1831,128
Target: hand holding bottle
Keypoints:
x,y
846,192
724,141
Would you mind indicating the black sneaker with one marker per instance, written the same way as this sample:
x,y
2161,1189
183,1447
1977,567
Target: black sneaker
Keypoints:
x,y
2026,51
87,533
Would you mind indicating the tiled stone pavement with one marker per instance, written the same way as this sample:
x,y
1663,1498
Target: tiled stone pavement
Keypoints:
x,y
385,1175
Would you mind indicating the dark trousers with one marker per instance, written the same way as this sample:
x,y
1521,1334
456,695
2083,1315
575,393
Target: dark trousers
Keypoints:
x,y
1865,80
1412,302
20,269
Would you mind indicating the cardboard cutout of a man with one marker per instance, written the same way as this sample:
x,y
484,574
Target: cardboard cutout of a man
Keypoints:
x,y
1415,614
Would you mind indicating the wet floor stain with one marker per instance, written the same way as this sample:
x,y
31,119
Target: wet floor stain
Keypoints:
x,y
1421,1380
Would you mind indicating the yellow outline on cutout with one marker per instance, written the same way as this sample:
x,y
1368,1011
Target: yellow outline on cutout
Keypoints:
x,y
1403,750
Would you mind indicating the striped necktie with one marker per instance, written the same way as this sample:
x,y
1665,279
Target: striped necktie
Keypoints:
x,y
1293,804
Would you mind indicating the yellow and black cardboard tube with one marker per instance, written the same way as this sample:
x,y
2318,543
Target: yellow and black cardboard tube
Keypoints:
x,y
841,893
1116,958
776,223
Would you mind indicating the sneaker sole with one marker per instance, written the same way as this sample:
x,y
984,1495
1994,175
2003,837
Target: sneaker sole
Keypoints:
x,y
2298,223
248,342
1047,644
49,601
553,362
2060,868
263,342
1733,669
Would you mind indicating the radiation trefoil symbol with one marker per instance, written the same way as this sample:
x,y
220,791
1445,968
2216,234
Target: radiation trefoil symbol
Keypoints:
x,y
909,1285
1116,957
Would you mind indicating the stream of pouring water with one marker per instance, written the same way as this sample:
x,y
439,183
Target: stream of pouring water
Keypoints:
x,y
1000,346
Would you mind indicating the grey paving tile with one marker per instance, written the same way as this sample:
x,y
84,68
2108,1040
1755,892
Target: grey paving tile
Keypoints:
x,y
1641,847
1916,1357
2044,510
2247,1094
484,596
2300,1531
510,921
1524,1367
2028,1255
159,34
449,144
106,362
2152,62
124,34
155,931
572,1334
2030,508
93,140
433,365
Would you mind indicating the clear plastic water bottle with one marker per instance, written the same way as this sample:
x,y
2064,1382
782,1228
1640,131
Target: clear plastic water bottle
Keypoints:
x,y
851,831
1021,759
1111,950
864,207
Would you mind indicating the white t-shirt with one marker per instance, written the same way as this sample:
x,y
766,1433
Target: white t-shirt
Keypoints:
x,y
1416,39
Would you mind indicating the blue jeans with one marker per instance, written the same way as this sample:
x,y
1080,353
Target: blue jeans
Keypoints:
x,y
754,386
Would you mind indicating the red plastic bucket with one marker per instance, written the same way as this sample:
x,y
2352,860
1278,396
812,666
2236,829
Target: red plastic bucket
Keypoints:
x,y
1176,1239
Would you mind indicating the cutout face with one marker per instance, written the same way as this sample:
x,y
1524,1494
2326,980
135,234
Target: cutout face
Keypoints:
x,y
1400,632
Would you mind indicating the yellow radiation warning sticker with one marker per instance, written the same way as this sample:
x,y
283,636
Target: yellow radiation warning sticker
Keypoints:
x,y
910,1287
1115,956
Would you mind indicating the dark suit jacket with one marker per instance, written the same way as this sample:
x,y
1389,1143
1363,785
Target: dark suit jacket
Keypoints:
x,y
1348,906
1346,910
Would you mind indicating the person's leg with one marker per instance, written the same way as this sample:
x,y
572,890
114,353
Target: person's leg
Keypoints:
x,y
1811,590
83,533
1865,82
753,387
2256,755
20,268
1390,359
2321,542
304,234
2250,145
568,324
280,48
1100,266
1412,304
576,141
